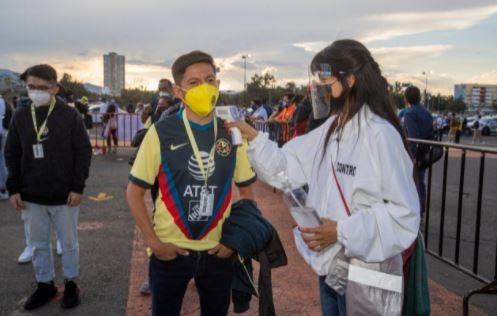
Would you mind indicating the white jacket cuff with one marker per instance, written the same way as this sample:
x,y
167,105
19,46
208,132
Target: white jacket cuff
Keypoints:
x,y
258,140
341,237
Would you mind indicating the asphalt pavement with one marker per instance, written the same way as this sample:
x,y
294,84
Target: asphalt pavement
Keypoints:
x,y
105,236
107,239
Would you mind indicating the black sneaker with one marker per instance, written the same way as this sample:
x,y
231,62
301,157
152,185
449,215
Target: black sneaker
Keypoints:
x,y
43,294
71,295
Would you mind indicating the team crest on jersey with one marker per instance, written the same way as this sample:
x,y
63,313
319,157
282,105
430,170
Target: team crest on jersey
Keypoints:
x,y
223,147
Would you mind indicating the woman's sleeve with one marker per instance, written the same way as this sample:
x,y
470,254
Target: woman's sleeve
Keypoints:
x,y
294,159
379,231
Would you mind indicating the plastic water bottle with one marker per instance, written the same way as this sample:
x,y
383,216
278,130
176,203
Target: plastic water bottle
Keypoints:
x,y
295,200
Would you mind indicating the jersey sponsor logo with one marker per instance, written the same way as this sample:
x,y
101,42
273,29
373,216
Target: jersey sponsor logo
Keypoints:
x,y
194,168
194,212
223,147
346,169
175,147
193,193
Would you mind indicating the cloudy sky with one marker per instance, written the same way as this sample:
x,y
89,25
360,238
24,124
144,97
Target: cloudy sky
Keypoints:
x,y
453,41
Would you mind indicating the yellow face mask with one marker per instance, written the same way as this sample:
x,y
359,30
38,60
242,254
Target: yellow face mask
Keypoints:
x,y
202,99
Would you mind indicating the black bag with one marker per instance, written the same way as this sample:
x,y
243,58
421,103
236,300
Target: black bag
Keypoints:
x,y
476,124
7,118
422,157
138,138
88,120
136,142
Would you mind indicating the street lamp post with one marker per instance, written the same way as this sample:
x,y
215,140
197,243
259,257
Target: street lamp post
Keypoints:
x,y
244,57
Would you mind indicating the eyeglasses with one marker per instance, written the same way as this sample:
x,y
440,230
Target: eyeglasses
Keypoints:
x,y
42,88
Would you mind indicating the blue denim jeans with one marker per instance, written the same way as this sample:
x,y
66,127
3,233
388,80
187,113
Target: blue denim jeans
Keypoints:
x,y
64,218
332,304
169,280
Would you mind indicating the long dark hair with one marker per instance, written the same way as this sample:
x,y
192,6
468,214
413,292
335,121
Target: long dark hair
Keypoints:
x,y
347,57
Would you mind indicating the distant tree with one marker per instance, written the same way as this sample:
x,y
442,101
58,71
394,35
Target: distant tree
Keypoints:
x,y
291,86
456,105
77,87
135,95
268,80
398,99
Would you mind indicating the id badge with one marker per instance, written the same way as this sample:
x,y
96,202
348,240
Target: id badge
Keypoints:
x,y
206,202
38,151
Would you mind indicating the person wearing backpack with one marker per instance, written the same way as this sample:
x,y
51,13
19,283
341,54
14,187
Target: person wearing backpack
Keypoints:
x,y
453,127
476,131
418,123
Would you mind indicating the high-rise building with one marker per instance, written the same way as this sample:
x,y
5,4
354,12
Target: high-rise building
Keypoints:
x,y
114,73
476,96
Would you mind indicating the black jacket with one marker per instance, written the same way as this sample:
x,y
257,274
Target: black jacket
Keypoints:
x,y
67,155
252,236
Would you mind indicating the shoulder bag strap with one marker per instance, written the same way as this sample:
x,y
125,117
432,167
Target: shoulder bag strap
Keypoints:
x,y
340,190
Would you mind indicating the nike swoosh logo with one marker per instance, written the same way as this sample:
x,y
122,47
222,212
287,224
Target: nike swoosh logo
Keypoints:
x,y
174,147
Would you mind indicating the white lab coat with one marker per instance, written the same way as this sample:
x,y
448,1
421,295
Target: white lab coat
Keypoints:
x,y
375,173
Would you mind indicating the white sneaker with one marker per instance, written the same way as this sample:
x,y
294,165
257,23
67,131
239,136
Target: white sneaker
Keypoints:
x,y
59,248
26,256
4,195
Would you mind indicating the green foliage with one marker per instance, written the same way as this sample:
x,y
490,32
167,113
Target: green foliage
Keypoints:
x,y
77,87
398,99
134,96
263,87
127,96
457,105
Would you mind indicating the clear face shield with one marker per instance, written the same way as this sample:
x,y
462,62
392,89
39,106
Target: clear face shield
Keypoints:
x,y
320,82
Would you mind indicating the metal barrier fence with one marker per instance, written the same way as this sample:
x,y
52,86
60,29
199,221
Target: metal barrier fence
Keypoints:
x,y
278,132
126,127
459,209
454,225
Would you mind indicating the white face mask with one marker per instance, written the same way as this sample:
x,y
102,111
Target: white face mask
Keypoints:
x,y
164,94
39,97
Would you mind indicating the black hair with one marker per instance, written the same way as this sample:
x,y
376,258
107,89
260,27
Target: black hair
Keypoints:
x,y
298,98
290,96
257,101
168,83
45,72
184,61
111,108
412,95
346,57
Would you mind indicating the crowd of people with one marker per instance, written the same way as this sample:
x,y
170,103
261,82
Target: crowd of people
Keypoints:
x,y
344,144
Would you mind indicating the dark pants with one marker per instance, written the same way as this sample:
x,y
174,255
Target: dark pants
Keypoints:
x,y
113,135
169,280
440,134
421,186
458,136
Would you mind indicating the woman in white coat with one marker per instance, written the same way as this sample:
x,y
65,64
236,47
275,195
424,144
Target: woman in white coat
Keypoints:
x,y
363,144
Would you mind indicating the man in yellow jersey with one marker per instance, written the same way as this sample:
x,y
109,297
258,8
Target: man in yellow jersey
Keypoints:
x,y
191,155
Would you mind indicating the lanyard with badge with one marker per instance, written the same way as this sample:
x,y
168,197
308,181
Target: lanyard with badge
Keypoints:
x,y
38,147
206,198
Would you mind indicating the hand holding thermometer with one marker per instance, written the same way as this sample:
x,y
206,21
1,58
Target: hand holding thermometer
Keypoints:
x,y
230,113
